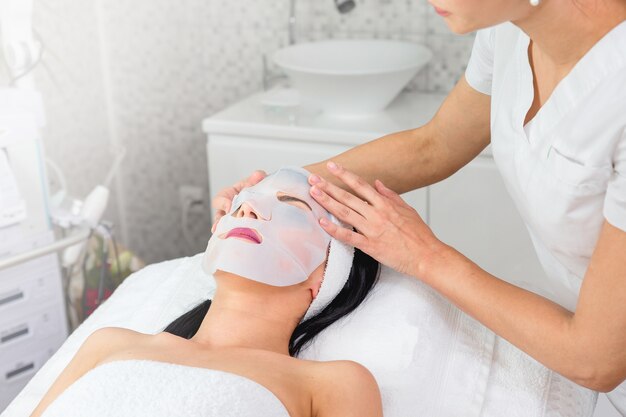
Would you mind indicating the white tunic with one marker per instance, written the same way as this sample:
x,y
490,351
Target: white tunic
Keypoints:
x,y
566,171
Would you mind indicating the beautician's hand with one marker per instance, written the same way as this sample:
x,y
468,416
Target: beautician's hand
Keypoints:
x,y
222,201
387,228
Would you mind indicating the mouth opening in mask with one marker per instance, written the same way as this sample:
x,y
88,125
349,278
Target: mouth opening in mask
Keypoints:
x,y
244,233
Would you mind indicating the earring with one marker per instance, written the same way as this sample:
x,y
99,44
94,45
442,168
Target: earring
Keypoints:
x,y
534,2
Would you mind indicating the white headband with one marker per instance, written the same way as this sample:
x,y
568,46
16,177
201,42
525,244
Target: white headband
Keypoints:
x,y
338,266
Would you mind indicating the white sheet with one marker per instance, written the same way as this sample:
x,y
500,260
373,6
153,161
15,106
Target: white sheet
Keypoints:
x,y
429,358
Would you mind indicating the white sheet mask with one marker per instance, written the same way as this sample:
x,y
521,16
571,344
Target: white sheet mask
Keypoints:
x,y
283,245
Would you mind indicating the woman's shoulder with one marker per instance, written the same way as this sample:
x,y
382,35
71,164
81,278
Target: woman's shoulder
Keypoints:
x,y
345,388
108,340
344,369
114,335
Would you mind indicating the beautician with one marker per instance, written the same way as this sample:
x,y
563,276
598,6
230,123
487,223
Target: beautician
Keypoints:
x,y
546,87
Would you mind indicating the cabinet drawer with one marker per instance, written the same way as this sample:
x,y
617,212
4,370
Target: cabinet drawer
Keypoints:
x,y
29,285
18,368
19,333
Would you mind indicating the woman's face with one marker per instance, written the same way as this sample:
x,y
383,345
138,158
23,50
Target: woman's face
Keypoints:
x,y
464,16
272,234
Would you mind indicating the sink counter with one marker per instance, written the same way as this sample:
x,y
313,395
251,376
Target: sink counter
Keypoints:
x,y
251,117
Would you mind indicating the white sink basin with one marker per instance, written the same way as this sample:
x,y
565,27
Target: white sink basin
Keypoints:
x,y
351,77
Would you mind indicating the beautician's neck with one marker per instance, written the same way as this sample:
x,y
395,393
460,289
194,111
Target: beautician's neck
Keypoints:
x,y
564,30
245,320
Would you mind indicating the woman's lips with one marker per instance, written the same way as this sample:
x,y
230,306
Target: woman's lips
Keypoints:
x,y
245,233
441,12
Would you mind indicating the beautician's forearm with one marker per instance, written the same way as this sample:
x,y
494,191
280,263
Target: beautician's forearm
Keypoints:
x,y
534,324
390,158
416,158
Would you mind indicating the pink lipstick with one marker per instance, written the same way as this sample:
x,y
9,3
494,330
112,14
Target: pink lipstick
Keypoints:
x,y
244,233
441,12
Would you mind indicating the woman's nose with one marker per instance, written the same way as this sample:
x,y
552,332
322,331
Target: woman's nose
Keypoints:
x,y
246,210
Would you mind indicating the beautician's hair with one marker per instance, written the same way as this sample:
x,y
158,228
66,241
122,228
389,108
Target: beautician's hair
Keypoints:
x,y
363,275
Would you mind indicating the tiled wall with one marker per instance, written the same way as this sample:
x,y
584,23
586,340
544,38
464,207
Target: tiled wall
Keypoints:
x,y
144,73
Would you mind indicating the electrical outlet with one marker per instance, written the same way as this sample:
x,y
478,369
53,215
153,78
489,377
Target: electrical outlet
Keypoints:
x,y
192,197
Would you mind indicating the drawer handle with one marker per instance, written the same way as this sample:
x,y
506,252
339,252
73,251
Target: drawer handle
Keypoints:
x,y
14,334
19,371
10,297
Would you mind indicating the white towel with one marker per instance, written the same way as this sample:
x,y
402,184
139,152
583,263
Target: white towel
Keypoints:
x,y
431,359
428,357
148,388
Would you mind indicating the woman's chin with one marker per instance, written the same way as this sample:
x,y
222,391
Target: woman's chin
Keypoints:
x,y
232,281
463,25
462,30
459,27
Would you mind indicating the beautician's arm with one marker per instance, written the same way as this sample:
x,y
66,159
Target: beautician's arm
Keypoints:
x,y
410,159
588,346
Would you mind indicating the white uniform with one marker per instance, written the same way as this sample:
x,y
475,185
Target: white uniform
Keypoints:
x,y
566,169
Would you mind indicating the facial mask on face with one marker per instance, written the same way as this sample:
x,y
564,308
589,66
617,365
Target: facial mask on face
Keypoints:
x,y
283,245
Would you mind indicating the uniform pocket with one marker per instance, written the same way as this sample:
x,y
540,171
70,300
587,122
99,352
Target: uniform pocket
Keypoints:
x,y
576,176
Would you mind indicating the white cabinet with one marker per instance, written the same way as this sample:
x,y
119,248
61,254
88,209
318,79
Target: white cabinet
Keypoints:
x,y
232,158
33,321
472,212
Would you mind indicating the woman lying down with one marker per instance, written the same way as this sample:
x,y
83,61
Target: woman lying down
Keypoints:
x,y
280,281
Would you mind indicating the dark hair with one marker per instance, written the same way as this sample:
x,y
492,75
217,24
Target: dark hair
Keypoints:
x,y
363,276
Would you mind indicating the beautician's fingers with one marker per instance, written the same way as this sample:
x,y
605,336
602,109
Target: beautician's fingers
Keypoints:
x,y
393,233
390,194
400,207
344,235
255,178
224,198
342,211
358,184
343,196
222,201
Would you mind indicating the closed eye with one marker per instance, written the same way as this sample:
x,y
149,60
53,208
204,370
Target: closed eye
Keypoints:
x,y
291,199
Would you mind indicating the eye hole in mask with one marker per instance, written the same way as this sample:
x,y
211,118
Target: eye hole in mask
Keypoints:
x,y
281,196
294,201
